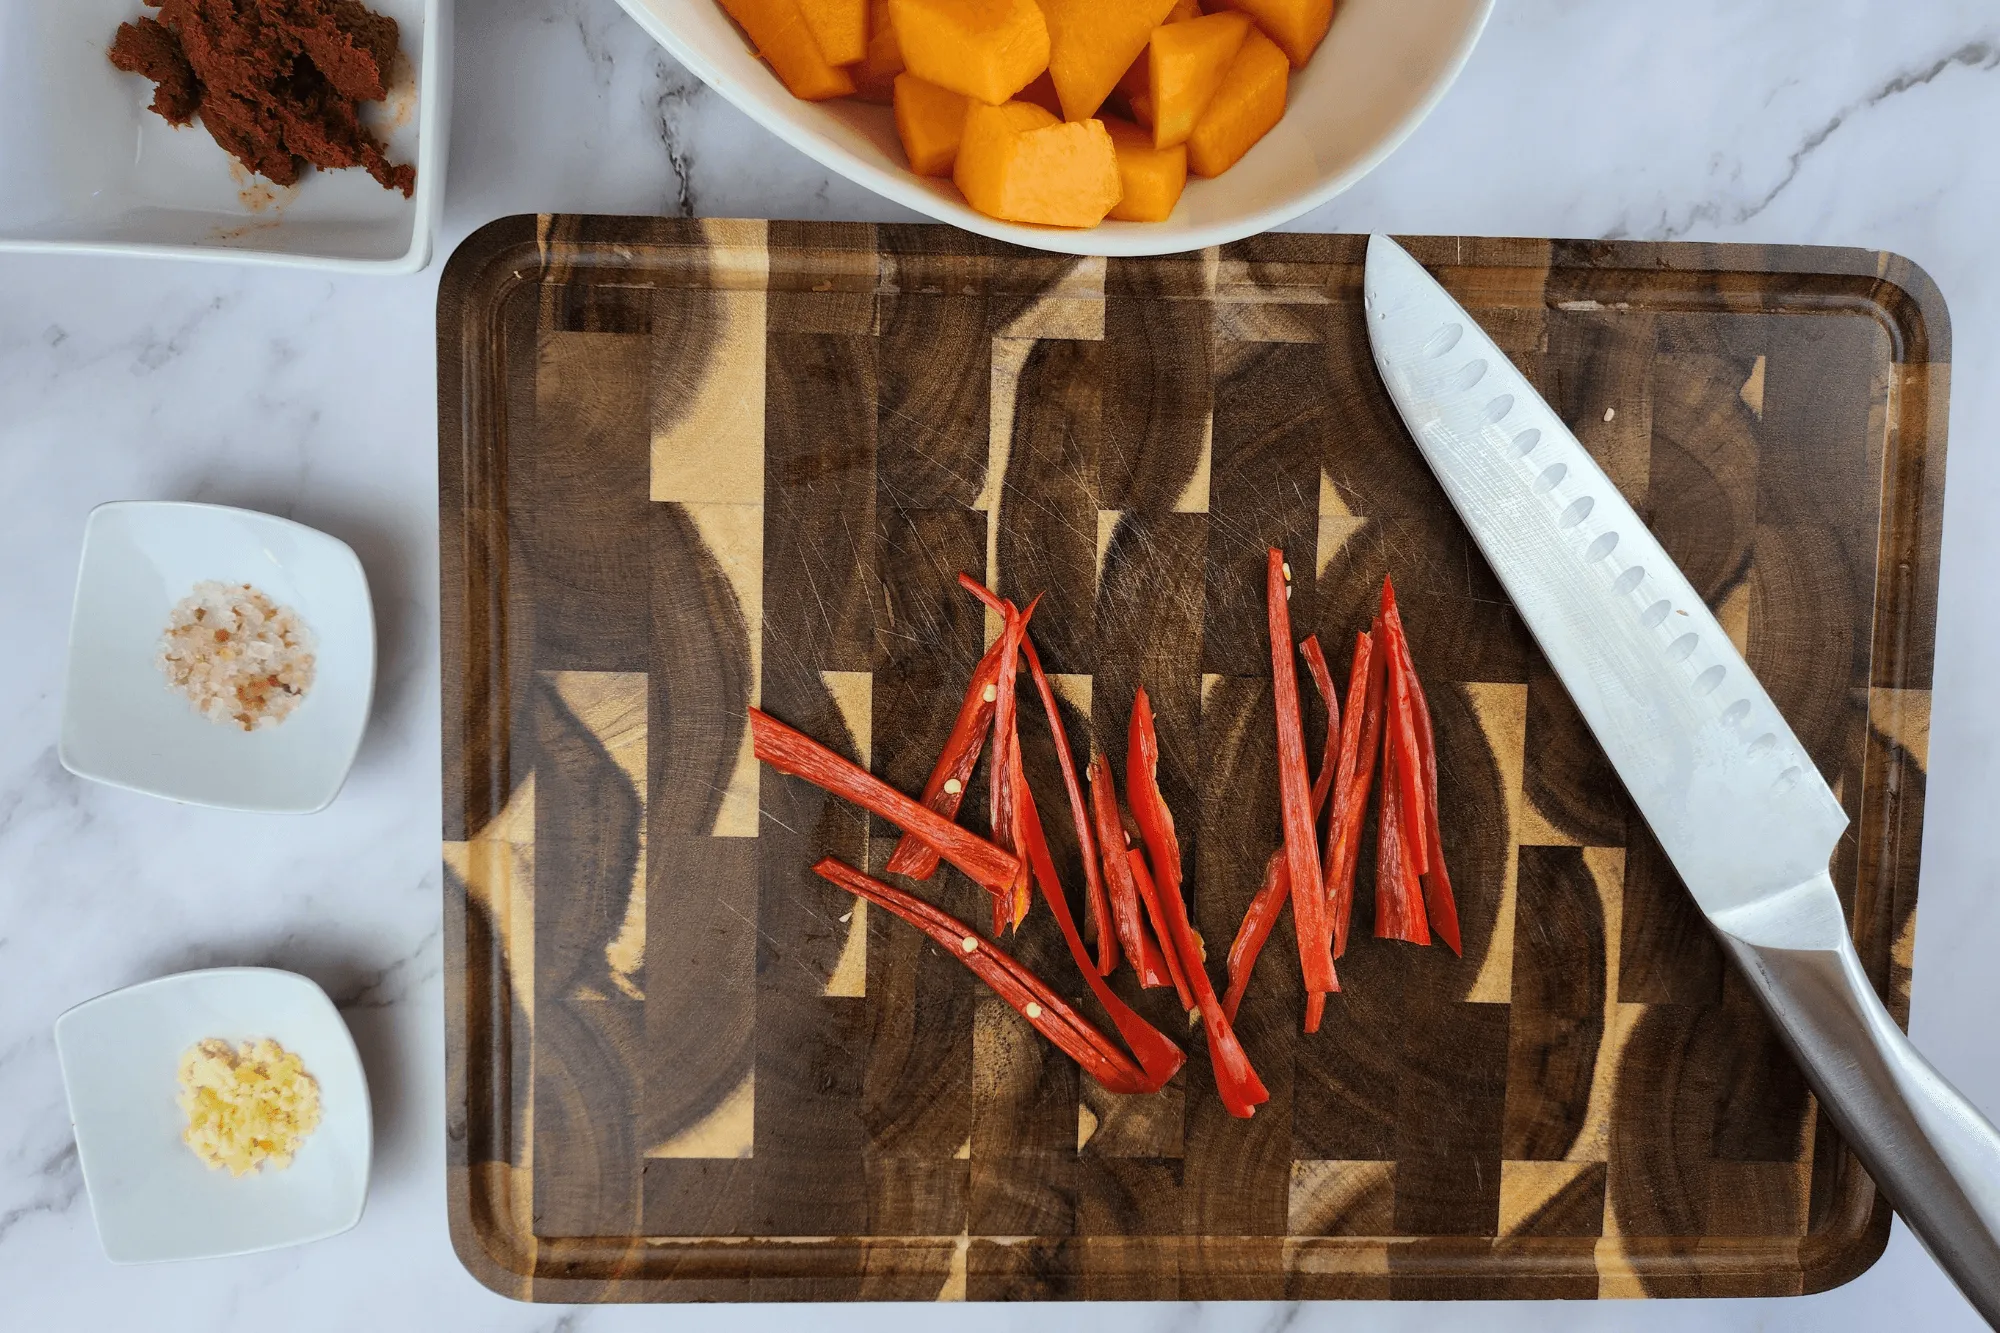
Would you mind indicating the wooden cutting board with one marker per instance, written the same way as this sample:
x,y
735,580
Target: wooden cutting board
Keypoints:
x,y
687,466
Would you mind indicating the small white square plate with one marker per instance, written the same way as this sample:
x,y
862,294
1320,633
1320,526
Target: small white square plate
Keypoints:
x,y
123,724
152,1197
88,167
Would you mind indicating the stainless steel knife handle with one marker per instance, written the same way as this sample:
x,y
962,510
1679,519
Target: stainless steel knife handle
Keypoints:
x,y
1934,1155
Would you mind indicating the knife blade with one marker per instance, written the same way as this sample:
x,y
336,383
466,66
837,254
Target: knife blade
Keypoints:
x,y
1710,761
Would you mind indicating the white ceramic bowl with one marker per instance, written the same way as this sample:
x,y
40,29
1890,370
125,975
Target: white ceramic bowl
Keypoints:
x,y
122,724
152,1197
1382,67
87,167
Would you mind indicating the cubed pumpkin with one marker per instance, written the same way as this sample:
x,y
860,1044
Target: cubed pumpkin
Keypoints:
x,y
986,49
777,28
1093,42
1250,100
1182,11
839,26
1185,65
929,120
1153,178
1019,163
875,74
1298,26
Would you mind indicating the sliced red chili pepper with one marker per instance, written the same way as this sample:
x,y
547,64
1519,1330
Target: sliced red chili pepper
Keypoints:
x,y
1438,897
1093,883
1144,954
1011,905
1364,715
1079,813
1323,682
1345,771
1294,788
1399,900
1004,773
1021,800
944,790
1235,1079
1031,997
1157,1055
1156,912
1258,920
1403,734
1264,909
1262,914
793,752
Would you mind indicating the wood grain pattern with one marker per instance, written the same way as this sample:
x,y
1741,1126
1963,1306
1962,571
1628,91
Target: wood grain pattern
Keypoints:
x,y
689,466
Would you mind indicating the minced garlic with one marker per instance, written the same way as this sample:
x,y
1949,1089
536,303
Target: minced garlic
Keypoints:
x,y
246,1105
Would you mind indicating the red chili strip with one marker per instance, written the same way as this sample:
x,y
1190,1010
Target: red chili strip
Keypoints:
x,y
1323,682
1158,1056
1294,788
1093,883
1399,897
1258,920
1027,826
794,752
1402,734
1235,1080
1345,770
1140,949
945,788
1005,780
1438,899
1365,691
1032,998
1149,894
1262,914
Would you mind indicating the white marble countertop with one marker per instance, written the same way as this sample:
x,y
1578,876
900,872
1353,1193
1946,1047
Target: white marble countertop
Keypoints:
x,y
1851,122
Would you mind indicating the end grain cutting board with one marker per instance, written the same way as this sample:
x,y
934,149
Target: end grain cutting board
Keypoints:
x,y
690,466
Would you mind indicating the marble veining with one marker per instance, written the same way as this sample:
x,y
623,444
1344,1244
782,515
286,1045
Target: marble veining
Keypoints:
x,y
1856,122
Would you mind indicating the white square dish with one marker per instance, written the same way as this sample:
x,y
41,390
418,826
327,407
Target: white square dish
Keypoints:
x,y
123,724
88,167
152,1197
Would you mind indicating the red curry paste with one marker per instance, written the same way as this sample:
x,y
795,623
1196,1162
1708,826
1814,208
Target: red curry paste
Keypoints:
x,y
279,83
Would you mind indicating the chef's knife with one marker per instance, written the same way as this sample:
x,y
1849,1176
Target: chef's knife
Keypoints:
x,y
1710,762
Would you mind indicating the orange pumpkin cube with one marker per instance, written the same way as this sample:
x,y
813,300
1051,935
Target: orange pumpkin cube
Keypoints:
x,y
839,26
1296,25
1093,42
1137,81
1018,163
1249,102
777,28
1153,178
929,120
875,73
986,49
1186,63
